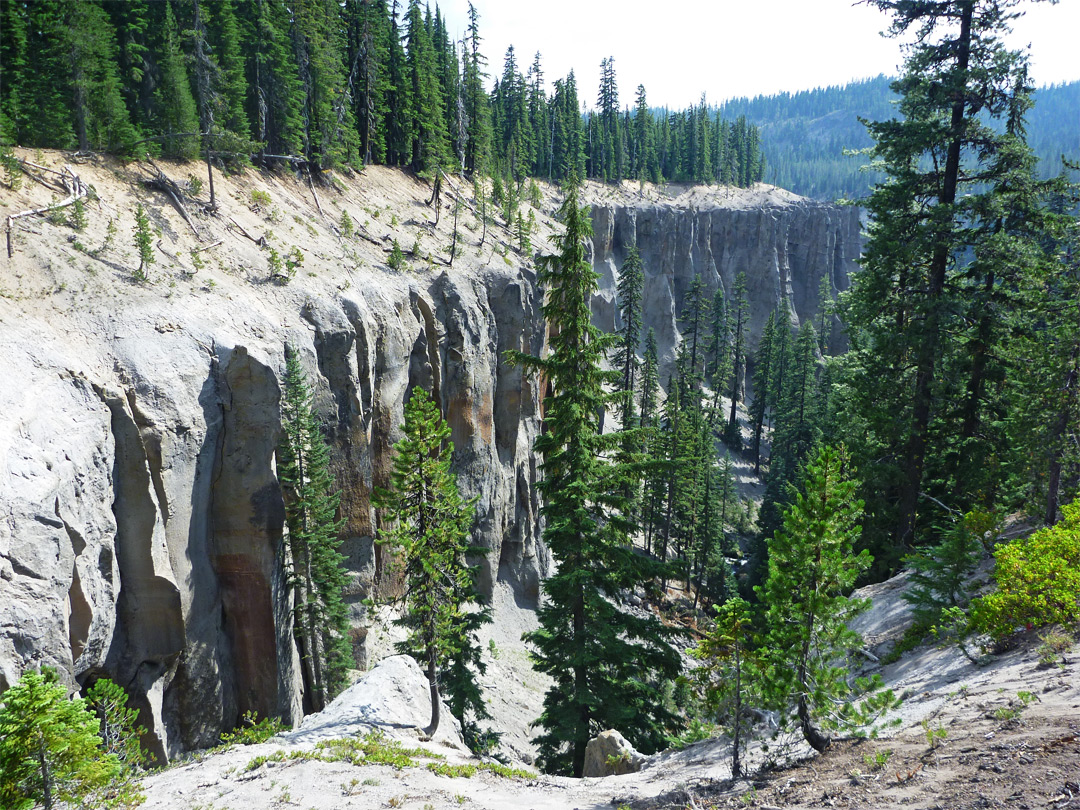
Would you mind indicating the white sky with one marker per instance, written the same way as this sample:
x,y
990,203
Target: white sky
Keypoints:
x,y
726,48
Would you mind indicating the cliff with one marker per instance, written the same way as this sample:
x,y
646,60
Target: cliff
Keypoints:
x,y
143,520
785,244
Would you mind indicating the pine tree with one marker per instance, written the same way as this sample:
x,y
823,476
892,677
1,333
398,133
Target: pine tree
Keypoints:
x,y
274,92
941,267
812,565
728,673
429,528
607,665
177,117
732,434
318,45
477,108
50,752
316,565
628,293
101,119
762,375
430,149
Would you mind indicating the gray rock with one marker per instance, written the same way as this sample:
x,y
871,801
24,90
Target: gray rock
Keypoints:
x,y
393,697
610,754
785,245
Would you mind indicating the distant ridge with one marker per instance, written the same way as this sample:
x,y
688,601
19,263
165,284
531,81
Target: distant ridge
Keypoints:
x,y
804,135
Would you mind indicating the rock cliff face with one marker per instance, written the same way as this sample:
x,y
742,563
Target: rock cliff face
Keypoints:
x,y
143,520
785,245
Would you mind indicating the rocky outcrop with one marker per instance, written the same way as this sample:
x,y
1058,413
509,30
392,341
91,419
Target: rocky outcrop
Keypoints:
x,y
783,243
144,518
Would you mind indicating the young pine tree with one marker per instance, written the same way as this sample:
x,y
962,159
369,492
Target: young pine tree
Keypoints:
x,y
607,666
429,528
729,673
812,565
318,577
50,751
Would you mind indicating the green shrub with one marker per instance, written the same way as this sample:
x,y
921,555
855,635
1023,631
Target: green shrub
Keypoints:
x,y
259,200
397,258
1038,579
252,730
77,220
941,575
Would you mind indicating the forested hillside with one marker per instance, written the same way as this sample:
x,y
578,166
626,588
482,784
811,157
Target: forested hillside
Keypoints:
x,y
331,85
807,137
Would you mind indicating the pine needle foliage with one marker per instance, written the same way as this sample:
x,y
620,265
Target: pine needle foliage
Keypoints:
x,y
811,566
316,566
607,666
50,752
428,524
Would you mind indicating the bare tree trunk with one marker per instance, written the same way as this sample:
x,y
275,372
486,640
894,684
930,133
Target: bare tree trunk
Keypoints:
x,y
433,688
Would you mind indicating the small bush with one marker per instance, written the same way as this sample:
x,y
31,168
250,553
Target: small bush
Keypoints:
x,y
259,200
1038,579
252,730
397,258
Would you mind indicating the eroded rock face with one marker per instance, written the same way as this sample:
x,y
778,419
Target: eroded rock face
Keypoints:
x,y
785,245
144,519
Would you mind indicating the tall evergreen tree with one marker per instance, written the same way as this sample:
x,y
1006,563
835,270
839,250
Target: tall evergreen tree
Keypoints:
x,y
429,525
607,665
101,118
947,236
740,318
316,565
177,116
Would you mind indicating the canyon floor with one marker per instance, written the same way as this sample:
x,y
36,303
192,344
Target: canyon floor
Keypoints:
x,y
1006,733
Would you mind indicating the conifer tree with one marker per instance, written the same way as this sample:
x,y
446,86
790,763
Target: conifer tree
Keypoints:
x,y
315,564
177,117
430,150
940,266
762,375
50,752
728,672
477,108
732,435
274,92
101,119
812,565
325,112
428,524
607,665
628,292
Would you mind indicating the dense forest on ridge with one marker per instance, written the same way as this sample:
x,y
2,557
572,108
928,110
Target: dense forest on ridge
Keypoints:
x,y
332,84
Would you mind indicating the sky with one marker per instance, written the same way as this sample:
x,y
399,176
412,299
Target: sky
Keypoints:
x,y
680,49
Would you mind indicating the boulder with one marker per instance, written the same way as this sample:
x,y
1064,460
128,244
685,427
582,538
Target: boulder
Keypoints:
x,y
393,698
610,754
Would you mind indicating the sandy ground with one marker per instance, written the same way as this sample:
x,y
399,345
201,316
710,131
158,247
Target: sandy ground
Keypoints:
x,y
1007,734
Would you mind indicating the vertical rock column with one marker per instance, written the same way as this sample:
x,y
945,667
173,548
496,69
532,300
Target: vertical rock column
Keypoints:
x,y
248,518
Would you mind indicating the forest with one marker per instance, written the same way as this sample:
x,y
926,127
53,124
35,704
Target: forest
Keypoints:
x,y
332,85
953,403
813,140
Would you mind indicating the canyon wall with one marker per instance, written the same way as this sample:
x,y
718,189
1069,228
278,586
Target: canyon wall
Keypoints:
x,y
143,519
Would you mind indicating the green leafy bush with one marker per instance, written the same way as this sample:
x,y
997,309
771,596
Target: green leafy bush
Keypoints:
x,y
1038,579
